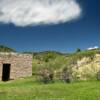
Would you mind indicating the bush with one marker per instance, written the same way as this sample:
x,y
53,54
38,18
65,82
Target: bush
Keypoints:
x,y
66,75
98,76
46,75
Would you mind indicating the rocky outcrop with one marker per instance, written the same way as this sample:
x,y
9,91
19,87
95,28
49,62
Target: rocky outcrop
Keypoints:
x,y
87,68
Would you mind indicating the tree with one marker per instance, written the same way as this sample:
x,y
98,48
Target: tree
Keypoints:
x,y
78,50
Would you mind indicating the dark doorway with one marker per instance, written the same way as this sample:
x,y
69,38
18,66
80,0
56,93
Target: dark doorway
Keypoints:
x,y
6,72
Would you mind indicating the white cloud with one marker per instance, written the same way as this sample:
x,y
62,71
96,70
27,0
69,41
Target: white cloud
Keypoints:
x,y
92,48
34,12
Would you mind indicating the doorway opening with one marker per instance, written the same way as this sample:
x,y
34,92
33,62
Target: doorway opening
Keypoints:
x,y
6,72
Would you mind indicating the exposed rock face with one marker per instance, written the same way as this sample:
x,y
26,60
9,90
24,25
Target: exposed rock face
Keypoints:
x,y
87,68
83,61
20,64
87,60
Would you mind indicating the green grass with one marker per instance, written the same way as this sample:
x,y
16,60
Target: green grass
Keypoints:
x,y
27,89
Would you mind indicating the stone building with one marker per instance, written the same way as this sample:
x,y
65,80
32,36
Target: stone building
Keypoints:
x,y
15,65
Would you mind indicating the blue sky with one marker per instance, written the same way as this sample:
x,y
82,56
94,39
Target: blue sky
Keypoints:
x,y
82,32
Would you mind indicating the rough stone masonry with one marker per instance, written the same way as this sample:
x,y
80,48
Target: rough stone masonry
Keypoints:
x,y
15,65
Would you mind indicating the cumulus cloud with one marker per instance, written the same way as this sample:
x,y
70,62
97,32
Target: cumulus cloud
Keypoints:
x,y
34,12
92,48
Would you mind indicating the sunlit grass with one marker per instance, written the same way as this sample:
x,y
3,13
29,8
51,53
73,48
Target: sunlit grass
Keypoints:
x,y
27,89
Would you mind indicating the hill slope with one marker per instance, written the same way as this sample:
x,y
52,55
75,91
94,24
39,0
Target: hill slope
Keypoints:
x,y
6,49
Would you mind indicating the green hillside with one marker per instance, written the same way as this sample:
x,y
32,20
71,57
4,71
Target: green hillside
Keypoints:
x,y
57,60
6,49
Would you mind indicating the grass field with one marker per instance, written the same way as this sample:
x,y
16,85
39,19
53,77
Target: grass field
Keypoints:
x,y
26,89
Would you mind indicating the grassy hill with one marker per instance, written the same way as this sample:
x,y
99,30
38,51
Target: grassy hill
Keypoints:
x,y
58,61
6,49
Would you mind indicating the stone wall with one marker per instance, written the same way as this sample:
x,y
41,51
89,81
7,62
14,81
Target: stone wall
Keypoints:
x,y
21,64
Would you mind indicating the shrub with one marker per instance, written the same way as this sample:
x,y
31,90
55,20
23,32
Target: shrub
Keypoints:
x,y
66,75
46,75
98,76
